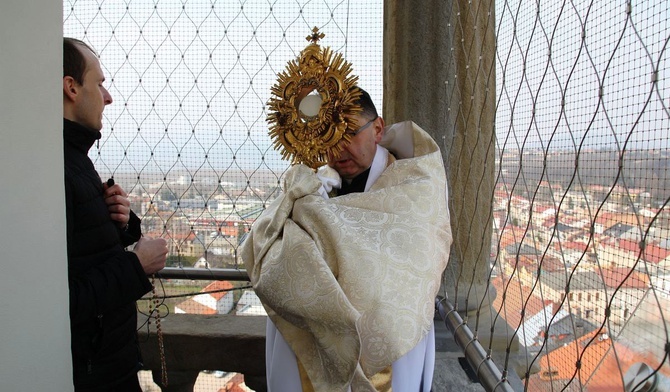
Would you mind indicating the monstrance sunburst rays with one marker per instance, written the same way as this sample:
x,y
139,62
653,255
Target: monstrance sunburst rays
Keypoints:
x,y
317,77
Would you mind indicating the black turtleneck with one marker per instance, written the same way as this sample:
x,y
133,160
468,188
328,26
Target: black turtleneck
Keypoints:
x,y
79,136
357,184
104,279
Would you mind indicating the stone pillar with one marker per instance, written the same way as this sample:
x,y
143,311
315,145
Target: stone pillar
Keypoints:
x,y
417,62
439,71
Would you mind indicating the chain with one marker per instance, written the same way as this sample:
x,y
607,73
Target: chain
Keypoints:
x,y
159,331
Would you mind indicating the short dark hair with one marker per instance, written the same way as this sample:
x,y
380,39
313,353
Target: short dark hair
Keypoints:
x,y
74,62
365,102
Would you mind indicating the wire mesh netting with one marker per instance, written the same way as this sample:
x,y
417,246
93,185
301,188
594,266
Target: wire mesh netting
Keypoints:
x,y
186,135
581,217
579,256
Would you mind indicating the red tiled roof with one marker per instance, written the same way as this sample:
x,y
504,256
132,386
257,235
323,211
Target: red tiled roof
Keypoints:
x,y
604,218
190,236
652,253
655,254
630,246
540,208
608,219
526,262
549,263
228,230
516,296
619,276
218,285
552,264
511,235
603,363
574,245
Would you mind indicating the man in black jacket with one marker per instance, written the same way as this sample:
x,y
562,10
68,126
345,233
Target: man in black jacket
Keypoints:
x,y
105,280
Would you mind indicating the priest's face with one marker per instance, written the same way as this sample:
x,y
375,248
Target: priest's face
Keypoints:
x,y
356,156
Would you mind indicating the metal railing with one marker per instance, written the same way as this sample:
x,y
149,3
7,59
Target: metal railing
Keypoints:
x,y
232,274
491,378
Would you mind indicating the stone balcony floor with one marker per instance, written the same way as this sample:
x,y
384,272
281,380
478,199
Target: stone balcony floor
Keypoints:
x,y
237,344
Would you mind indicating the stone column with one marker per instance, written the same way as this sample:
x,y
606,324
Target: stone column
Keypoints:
x,y
439,71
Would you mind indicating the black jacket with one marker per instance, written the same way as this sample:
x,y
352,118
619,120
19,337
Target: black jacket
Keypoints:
x,y
105,280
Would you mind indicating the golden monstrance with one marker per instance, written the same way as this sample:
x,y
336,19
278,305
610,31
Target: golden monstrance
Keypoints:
x,y
312,104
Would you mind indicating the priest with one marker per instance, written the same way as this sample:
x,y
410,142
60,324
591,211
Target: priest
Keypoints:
x,y
348,260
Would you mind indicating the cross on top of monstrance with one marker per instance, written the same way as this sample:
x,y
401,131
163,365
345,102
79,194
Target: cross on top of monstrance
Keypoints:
x,y
312,105
315,36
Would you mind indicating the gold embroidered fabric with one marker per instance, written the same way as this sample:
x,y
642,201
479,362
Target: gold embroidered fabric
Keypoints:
x,y
350,281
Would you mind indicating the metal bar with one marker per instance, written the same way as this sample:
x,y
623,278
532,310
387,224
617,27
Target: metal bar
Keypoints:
x,y
489,375
203,273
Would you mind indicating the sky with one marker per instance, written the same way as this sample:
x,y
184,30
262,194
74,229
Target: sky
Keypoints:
x,y
580,75
190,79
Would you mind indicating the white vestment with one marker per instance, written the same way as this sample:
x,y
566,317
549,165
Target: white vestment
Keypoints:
x,y
412,370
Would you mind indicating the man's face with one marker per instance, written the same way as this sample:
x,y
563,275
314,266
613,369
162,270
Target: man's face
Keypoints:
x,y
92,97
357,156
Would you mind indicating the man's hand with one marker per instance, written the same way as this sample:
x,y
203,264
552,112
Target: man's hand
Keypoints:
x,y
117,203
152,254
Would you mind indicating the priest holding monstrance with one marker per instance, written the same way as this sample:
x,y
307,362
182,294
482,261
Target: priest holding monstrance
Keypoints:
x,y
348,259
